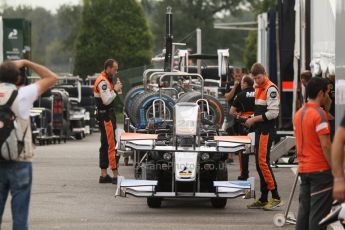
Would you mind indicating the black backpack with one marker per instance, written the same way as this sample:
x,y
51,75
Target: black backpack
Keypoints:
x,y
10,145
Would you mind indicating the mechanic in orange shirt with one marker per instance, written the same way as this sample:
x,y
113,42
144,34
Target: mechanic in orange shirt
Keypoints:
x,y
266,112
105,92
313,146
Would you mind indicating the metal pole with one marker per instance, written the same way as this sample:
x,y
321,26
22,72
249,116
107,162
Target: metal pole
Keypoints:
x,y
168,41
198,48
172,64
292,193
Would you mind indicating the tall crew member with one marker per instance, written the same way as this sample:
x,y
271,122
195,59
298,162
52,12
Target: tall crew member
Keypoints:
x,y
267,104
105,93
313,147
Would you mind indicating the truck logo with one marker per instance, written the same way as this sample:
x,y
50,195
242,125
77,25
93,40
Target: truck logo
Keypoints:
x,y
13,34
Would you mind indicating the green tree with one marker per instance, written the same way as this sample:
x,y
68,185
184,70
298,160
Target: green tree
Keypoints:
x,y
260,6
115,29
61,51
69,20
249,55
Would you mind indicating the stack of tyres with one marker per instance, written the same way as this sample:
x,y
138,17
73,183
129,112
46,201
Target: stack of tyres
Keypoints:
x,y
72,91
63,112
130,97
89,104
61,109
141,110
77,113
139,106
77,121
42,118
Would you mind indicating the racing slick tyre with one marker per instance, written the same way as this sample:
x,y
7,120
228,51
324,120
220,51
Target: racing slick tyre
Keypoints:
x,y
188,97
79,136
130,96
45,102
150,174
216,109
222,175
219,202
72,91
142,108
88,102
47,93
154,202
87,91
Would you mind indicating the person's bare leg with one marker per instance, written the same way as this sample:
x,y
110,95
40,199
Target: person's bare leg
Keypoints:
x,y
104,172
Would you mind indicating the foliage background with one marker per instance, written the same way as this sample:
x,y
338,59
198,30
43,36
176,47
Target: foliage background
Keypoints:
x,y
78,38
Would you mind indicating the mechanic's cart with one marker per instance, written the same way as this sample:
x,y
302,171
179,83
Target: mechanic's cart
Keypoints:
x,y
41,126
60,115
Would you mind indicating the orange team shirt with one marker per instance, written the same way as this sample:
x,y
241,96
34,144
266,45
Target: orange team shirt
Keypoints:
x,y
309,123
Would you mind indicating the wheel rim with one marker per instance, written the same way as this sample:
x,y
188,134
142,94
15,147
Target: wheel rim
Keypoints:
x,y
149,112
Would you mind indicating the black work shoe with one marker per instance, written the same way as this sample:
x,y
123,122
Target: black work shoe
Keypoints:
x,y
114,180
242,177
105,179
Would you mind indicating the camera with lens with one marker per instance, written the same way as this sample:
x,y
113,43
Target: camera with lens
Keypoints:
x,y
23,76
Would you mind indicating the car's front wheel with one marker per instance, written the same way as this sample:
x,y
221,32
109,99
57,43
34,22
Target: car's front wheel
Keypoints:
x,y
154,202
219,202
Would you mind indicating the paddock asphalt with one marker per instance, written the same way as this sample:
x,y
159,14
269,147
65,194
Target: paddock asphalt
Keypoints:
x,y
66,195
